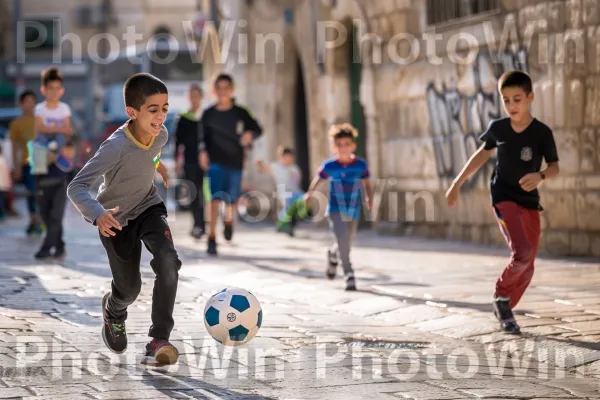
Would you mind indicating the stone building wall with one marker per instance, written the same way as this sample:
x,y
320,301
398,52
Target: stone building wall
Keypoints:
x,y
431,120
423,117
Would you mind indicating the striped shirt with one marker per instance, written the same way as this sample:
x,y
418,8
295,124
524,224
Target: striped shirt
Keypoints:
x,y
345,185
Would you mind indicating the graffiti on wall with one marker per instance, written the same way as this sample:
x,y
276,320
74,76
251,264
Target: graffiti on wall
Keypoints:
x,y
457,119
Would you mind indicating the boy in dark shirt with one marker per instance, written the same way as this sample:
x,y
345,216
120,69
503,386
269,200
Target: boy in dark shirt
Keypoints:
x,y
227,130
521,142
187,137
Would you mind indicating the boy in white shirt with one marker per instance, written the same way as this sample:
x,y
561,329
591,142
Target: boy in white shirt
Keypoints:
x,y
287,177
53,129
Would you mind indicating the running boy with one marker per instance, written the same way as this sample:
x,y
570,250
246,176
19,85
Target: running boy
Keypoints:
x,y
53,128
227,130
22,130
187,138
128,213
348,176
287,177
521,142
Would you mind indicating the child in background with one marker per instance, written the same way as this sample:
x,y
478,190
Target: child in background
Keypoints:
x,y
5,184
22,130
348,177
53,128
287,177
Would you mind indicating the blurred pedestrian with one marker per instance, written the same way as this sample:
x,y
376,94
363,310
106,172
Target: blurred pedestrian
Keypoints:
x,y
22,131
227,130
189,141
53,129
290,197
5,184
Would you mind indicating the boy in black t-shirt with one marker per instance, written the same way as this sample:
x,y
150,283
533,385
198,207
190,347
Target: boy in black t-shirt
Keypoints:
x,y
521,142
188,136
228,130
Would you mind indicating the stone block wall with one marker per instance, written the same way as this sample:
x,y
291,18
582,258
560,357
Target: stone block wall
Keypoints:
x,y
424,118
432,115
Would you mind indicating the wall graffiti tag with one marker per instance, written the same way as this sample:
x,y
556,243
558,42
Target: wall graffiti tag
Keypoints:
x,y
458,119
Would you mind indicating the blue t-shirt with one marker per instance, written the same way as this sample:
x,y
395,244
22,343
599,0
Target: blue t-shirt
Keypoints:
x,y
345,185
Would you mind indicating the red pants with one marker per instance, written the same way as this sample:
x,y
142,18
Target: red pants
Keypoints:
x,y
521,229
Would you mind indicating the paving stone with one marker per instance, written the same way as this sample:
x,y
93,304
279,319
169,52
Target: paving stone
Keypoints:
x,y
14,392
516,391
424,302
61,390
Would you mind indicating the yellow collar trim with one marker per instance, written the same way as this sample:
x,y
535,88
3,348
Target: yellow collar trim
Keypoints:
x,y
135,141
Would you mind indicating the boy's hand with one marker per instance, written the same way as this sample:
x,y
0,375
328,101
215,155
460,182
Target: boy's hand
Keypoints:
x,y
530,181
247,138
106,221
162,170
204,161
369,204
452,194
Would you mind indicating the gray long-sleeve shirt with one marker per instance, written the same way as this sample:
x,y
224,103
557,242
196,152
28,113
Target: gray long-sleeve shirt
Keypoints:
x,y
127,167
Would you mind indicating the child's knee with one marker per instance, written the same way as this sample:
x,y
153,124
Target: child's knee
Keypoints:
x,y
169,265
524,254
132,291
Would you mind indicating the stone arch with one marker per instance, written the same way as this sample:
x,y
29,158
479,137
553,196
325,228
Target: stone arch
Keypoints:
x,y
294,109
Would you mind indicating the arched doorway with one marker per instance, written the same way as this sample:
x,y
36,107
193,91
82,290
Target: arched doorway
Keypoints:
x,y
301,143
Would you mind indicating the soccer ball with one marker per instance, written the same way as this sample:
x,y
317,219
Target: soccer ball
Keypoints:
x,y
233,316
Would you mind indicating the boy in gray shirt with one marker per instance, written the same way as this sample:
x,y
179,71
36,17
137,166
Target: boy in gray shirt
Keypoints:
x,y
128,212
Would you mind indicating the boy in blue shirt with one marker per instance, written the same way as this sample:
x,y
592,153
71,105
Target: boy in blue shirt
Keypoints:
x,y
348,176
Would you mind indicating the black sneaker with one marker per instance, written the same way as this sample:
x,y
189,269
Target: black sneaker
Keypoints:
x,y
43,254
350,283
197,232
505,315
59,252
113,331
212,246
332,264
228,231
162,351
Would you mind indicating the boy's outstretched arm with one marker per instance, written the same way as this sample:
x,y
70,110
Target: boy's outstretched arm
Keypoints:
x,y
475,162
313,186
78,190
369,192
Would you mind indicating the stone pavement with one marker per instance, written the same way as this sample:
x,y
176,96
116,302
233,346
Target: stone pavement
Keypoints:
x,y
420,326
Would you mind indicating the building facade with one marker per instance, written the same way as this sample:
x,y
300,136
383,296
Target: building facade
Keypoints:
x,y
419,77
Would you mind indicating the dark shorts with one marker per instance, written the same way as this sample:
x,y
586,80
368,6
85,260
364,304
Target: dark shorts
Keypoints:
x,y
225,183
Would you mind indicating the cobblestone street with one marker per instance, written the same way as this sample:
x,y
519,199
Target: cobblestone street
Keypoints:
x,y
420,326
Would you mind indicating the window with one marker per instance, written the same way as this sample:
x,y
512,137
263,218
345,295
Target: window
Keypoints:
x,y
441,11
41,34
